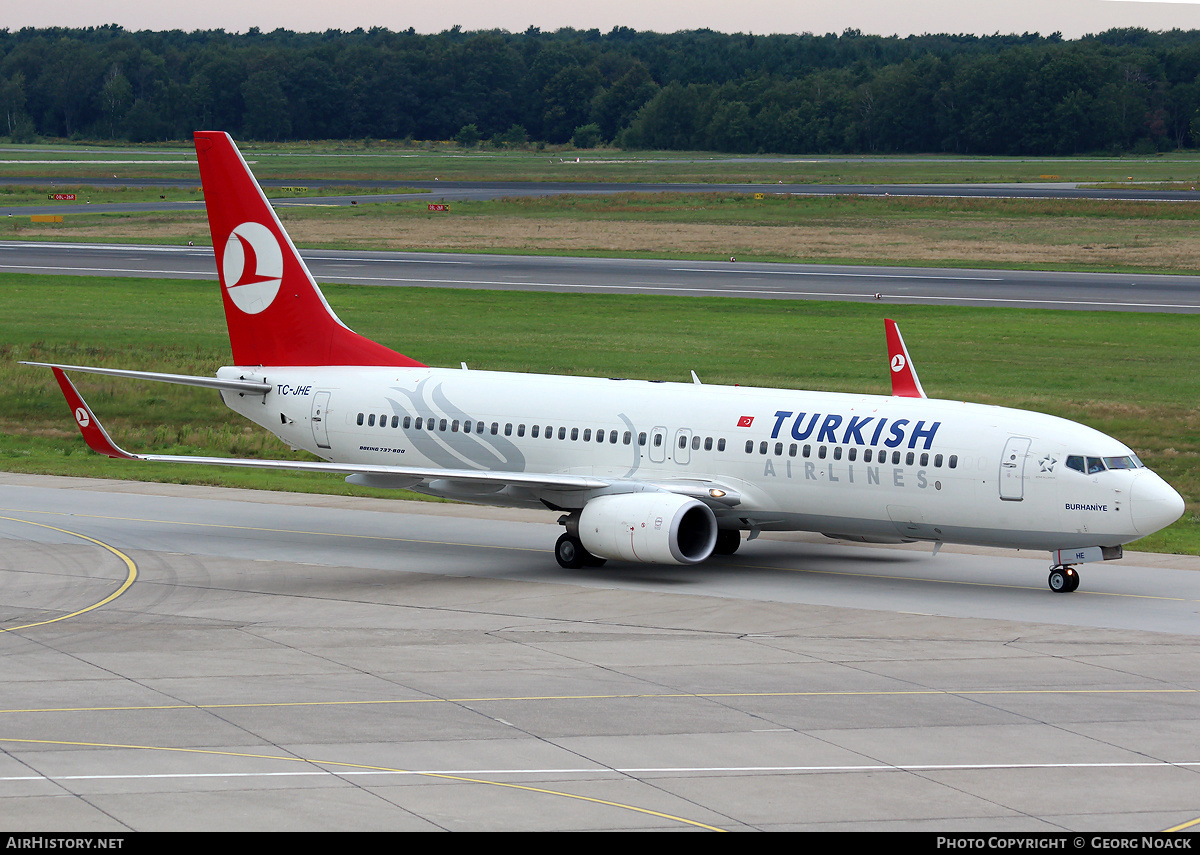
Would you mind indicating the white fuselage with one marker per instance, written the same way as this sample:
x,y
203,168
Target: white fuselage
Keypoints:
x,y
862,466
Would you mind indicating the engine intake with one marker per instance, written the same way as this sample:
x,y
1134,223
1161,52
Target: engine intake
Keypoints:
x,y
654,528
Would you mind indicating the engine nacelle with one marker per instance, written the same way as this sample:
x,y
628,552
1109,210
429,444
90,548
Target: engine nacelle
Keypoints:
x,y
656,528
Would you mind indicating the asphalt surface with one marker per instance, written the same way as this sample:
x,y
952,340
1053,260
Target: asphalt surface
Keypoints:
x,y
1028,289
290,662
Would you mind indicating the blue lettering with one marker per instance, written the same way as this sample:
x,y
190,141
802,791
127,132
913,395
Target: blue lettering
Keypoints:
x,y
854,429
796,434
878,431
897,432
919,432
779,417
827,428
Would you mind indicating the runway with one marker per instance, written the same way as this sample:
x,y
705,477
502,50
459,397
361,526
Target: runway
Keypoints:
x,y
195,658
1001,288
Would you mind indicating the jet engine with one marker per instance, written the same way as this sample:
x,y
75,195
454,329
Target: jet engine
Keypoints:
x,y
658,528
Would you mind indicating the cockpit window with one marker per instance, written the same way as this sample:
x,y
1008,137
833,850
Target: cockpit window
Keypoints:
x,y
1092,465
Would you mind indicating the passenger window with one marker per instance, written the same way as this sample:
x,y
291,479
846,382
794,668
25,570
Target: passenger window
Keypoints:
x,y
627,437
520,430
642,438
574,434
407,422
762,447
442,425
708,443
895,458
454,426
695,443
508,429
792,449
612,437
909,458
953,461
837,452
749,446
720,445
360,418
779,449
395,421
821,452
658,438
562,433
371,420
533,431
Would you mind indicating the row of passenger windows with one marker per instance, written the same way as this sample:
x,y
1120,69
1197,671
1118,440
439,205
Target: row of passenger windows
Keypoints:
x,y
613,437
869,455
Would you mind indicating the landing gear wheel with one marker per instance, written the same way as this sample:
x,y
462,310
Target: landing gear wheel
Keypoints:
x,y
569,552
571,555
728,541
1063,580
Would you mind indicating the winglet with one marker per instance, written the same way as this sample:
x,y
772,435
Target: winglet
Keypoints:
x,y
905,383
93,433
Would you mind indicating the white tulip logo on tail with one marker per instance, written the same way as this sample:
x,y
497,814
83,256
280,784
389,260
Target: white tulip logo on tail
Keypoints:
x,y
253,266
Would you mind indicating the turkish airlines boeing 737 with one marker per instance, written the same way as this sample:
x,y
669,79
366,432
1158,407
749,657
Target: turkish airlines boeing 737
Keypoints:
x,y
643,471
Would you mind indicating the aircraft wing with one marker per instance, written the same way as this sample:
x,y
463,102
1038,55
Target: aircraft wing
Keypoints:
x,y
370,475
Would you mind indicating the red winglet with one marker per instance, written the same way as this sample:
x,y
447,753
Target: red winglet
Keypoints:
x,y
904,377
93,433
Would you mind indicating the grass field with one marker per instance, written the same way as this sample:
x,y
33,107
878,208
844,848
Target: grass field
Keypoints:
x,y
1129,375
397,160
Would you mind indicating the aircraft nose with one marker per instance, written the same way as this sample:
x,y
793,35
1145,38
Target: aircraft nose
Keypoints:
x,y
1154,504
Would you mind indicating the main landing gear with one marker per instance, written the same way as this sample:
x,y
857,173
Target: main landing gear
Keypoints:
x,y
1063,579
571,555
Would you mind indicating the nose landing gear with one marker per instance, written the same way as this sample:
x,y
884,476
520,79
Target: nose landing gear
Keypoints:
x,y
1063,579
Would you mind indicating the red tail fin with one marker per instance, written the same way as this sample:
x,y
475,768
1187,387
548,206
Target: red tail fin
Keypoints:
x,y
905,383
275,312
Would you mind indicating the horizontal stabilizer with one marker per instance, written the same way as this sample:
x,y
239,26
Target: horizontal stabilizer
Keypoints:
x,y
252,386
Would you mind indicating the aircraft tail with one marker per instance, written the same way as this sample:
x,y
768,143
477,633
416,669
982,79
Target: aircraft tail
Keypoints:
x,y
275,312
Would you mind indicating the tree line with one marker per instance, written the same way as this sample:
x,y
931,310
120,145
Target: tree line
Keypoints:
x,y
1126,90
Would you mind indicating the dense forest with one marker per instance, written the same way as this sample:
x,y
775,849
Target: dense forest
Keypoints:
x,y
1118,91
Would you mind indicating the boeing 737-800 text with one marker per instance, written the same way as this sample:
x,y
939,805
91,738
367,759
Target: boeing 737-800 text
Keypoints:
x,y
643,471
